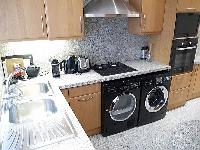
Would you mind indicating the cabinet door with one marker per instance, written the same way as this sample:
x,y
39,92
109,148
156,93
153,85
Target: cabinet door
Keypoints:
x,y
151,19
152,16
180,81
21,19
88,111
177,98
188,6
192,83
196,89
64,18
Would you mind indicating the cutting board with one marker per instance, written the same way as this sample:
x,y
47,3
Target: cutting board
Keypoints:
x,y
10,64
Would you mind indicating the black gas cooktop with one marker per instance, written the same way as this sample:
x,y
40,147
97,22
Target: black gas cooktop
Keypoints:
x,y
112,69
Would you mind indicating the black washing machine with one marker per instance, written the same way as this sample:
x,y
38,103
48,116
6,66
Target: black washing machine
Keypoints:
x,y
154,97
120,105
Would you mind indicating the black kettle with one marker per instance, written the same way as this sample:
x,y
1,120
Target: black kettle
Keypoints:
x,y
69,65
32,71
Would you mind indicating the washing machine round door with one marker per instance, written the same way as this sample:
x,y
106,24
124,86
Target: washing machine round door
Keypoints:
x,y
156,99
122,107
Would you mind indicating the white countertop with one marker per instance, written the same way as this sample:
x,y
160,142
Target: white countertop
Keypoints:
x,y
81,142
91,77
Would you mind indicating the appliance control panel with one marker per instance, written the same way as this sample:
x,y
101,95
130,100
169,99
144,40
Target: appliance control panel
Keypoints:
x,y
121,85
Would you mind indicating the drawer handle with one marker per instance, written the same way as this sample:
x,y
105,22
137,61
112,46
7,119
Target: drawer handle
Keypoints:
x,y
191,8
86,99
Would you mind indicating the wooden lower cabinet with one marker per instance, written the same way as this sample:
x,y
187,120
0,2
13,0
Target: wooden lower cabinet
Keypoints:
x,y
177,98
194,89
85,101
180,85
180,81
88,111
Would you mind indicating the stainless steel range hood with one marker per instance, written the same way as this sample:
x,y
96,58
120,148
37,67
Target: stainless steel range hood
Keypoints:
x,y
109,8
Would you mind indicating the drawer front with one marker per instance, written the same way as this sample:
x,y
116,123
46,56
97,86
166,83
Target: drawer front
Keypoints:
x,y
177,98
88,111
188,6
180,81
84,90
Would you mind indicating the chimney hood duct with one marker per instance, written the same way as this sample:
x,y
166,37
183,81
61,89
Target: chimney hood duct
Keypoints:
x,y
109,8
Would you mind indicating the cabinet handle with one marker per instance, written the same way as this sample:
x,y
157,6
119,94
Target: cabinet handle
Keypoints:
x,y
86,99
81,23
143,21
191,8
42,21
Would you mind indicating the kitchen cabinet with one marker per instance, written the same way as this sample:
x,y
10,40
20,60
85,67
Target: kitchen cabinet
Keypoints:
x,y
177,98
151,19
64,18
188,6
179,89
42,19
180,81
194,89
22,19
162,43
85,101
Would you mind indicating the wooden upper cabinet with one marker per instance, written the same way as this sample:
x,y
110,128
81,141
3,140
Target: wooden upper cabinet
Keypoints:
x,y
64,18
21,19
188,6
151,19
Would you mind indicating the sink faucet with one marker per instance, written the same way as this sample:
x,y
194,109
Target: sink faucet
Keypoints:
x,y
8,91
8,83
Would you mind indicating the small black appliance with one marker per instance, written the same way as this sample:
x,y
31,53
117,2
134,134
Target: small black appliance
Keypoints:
x,y
69,65
154,97
112,69
120,105
32,71
55,68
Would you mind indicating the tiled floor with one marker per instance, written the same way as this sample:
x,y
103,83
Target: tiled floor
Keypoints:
x,y
179,130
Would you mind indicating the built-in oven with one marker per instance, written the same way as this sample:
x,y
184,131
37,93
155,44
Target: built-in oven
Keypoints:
x,y
183,54
184,43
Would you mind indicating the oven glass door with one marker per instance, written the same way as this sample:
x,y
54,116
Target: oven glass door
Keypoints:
x,y
184,59
122,107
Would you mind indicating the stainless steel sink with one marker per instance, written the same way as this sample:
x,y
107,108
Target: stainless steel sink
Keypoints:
x,y
34,135
34,89
31,110
33,119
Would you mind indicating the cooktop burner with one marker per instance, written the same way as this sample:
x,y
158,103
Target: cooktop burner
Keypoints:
x,y
112,69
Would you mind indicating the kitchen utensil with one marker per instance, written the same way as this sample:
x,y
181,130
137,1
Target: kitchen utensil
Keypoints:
x,y
32,71
55,68
83,64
